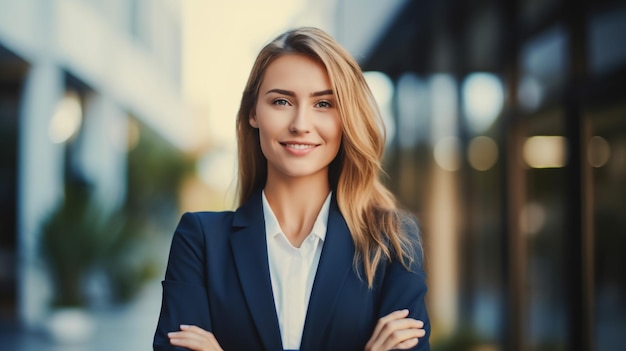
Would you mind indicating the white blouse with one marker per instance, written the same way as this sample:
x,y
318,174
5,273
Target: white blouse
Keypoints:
x,y
292,271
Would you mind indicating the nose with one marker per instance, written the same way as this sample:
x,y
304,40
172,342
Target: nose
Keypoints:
x,y
300,123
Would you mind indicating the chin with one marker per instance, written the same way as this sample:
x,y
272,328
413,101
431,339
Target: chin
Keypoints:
x,y
301,172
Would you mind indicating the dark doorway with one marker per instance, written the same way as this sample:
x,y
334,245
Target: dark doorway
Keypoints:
x,y
12,72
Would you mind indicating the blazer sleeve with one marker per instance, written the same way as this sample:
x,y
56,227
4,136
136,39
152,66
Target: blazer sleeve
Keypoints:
x,y
402,288
185,299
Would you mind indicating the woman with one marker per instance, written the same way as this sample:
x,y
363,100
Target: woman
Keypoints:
x,y
317,257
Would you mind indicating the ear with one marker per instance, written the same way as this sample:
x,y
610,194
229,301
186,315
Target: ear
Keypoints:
x,y
252,120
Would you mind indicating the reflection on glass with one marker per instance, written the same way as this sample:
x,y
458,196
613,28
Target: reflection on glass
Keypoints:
x,y
545,151
482,153
541,223
530,93
605,30
607,154
543,62
598,151
532,218
66,119
483,98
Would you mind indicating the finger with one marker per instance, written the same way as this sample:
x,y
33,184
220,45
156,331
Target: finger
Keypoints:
x,y
399,324
194,329
376,340
188,343
386,319
399,339
194,337
407,344
194,342
200,332
184,335
397,331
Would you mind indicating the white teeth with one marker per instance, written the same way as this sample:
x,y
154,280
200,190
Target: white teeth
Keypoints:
x,y
299,146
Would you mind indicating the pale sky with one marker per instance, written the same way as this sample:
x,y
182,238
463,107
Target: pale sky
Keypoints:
x,y
220,42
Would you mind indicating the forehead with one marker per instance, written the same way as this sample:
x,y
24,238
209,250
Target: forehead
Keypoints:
x,y
296,72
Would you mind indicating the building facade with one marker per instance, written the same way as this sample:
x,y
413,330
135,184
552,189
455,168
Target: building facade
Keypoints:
x,y
72,73
509,145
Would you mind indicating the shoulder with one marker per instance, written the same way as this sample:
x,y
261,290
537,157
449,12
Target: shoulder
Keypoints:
x,y
408,228
410,261
206,217
200,225
409,225
408,222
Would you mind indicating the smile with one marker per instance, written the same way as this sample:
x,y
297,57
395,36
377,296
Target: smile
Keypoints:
x,y
299,146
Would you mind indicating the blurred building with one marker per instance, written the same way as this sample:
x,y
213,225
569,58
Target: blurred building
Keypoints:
x,y
509,142
507,138
74,75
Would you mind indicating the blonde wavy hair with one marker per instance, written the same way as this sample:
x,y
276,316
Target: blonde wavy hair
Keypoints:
x,y
379,230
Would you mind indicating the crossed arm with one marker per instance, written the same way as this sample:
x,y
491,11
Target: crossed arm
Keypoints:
x,y
393,331
398,328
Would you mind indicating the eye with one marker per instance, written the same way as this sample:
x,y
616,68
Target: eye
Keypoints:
x,y
280,102
323,104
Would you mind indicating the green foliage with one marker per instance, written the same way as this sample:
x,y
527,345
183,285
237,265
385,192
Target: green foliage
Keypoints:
x,y
129,263
79,237
76,237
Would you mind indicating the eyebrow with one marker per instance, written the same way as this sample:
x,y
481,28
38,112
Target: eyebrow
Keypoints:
x,y
291,93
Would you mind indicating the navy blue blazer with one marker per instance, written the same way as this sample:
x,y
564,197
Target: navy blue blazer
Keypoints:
x,y
218,278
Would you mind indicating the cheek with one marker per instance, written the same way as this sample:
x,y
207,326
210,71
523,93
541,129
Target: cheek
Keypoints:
x,y
335,132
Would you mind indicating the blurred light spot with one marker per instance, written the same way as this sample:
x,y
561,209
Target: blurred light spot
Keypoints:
x,y
532,218
381,86
598,151
447,153
382,89
545,151
71,326
66,120
483,98
482,153
216,169
529,93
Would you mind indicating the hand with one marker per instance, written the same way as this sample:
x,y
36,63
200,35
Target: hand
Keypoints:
x,y
395,331
194,338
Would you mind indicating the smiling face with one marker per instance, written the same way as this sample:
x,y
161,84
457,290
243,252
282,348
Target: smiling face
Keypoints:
x,y
299,124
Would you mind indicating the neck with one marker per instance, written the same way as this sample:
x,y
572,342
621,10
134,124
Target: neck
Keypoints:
x,y
296,204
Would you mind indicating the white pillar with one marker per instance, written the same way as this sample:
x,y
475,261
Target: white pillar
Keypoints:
x,y
40,185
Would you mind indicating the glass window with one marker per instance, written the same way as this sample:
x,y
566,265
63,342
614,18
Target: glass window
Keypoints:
x,y
532,11
606,155
543,64
541,221
606,30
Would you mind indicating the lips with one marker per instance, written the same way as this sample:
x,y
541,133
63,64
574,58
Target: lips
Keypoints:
x,y
298,148
298,144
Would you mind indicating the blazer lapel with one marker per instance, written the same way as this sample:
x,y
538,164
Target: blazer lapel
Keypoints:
x,y
334,266
250,252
